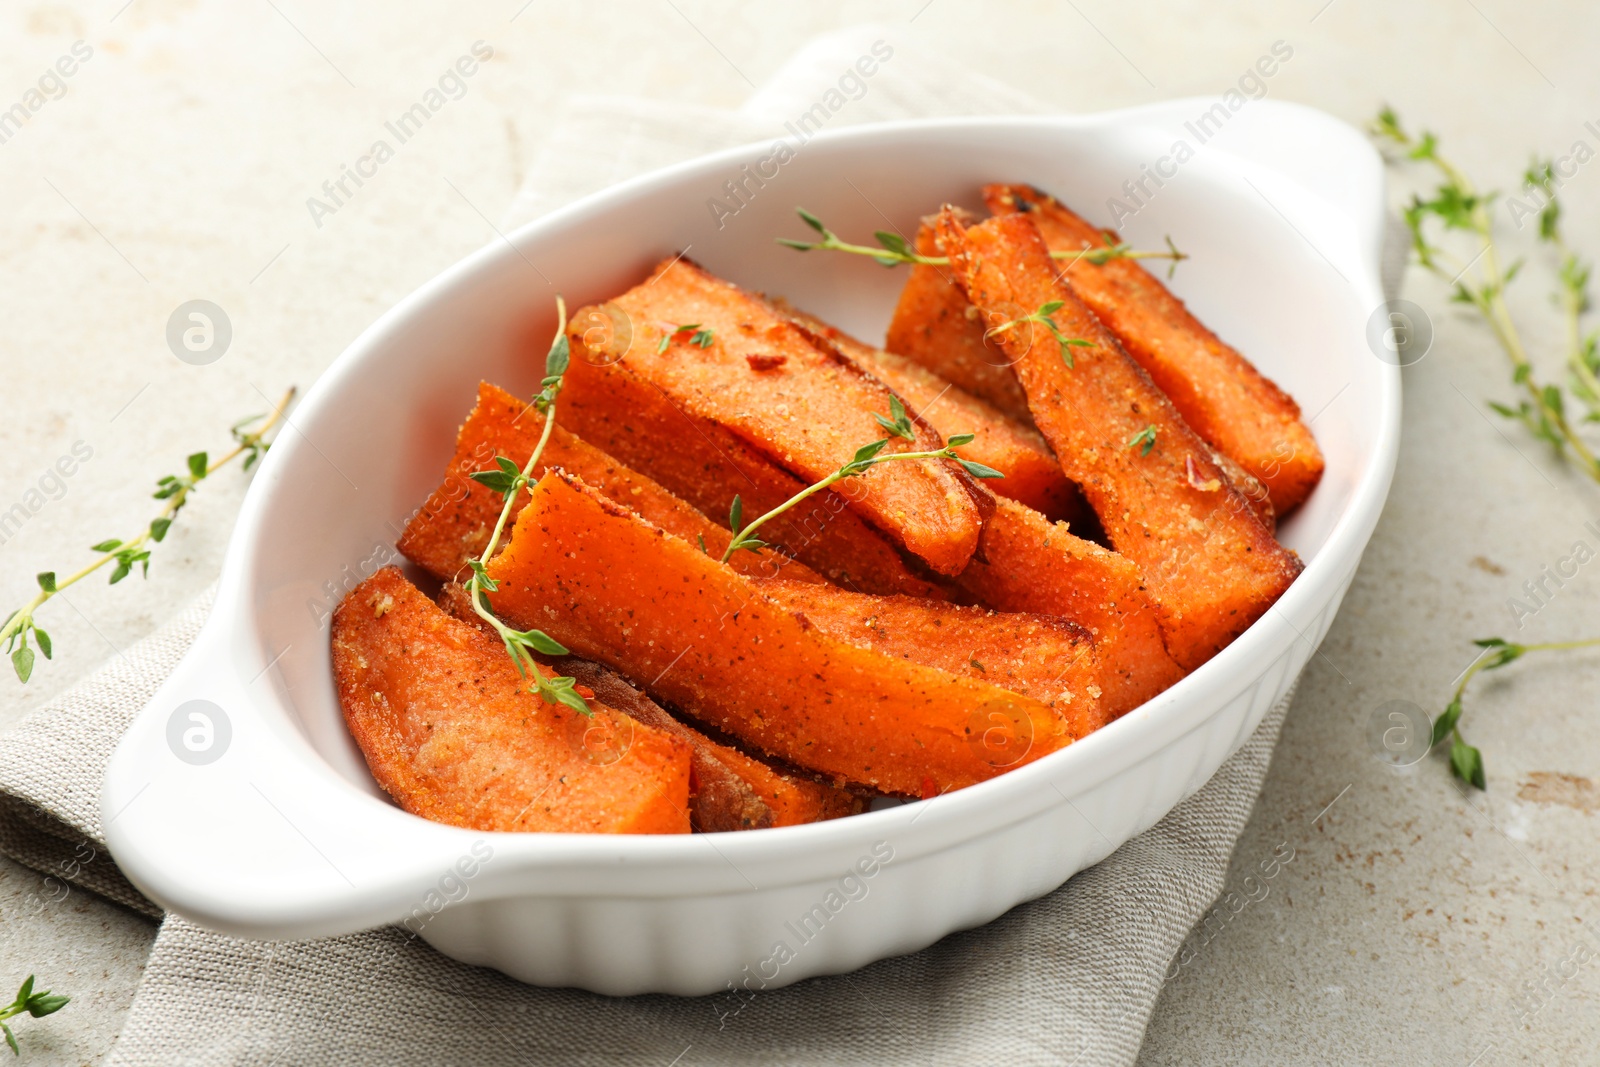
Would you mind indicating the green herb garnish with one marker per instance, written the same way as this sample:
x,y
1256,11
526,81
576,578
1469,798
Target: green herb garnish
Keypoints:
x,y
508,479
1479,282
865,458
900,423
1042,317
175,490
1466,762
894,249
699,336
37,1005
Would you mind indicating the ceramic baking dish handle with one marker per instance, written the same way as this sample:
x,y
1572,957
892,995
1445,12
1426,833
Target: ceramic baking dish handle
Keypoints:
x,y
209,816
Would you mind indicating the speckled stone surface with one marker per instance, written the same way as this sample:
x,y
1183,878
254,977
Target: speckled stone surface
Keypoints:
x,y
1411,921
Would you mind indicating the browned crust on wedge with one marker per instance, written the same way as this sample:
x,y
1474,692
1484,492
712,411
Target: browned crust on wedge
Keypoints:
x,y
1013,448
1220,394
732,790
1031,564
707,466
453,527
1046,657
935,326
728,790
1210,563
450,732
701,636
756,374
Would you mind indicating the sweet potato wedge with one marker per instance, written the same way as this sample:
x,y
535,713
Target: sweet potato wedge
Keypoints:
x,y
704,464
732,791
1013,448
699,635
1250,487
454,525
450,732
1031,564
750,370
728,790
936,326
1163,501
1219,392
1042,656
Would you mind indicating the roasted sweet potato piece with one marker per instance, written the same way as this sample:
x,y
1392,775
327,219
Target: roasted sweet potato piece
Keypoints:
x,y
752,371
926,325
698,634
936,326
1042,656
1031,564
706,465
454,525
732,791
728,790
1219,392
1251,488
1168,507
1013,448
450,732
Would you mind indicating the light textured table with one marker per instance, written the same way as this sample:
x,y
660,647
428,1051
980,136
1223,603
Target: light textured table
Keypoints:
x,y
177,166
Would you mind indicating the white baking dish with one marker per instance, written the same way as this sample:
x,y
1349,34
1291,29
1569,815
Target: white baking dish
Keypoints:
x,y
283,834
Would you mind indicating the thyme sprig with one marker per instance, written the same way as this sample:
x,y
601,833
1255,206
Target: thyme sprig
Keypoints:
x,y
699,336
1480,283
1466,762
1145,437
508,480
893,249
1573,275
899,423
251,444
1042,317
37,1005
866,457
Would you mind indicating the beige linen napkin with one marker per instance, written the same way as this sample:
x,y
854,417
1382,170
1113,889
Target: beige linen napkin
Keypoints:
x,y
1070,978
